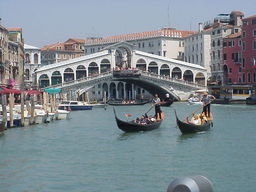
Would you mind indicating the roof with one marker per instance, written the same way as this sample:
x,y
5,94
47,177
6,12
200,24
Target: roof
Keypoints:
x,y
75,40
26,46
237,13
235,35
166,32
52,46
250,17
14,29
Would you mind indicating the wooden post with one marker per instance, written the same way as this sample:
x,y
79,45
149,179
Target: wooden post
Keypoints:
x,y
32,118
11,105
4,119
22,108
105,100
51,102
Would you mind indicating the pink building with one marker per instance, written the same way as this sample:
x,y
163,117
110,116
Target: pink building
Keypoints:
x,y
248,50
232,59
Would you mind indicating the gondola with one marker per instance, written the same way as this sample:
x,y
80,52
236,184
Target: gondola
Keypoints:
x,y
186,127
117,103
131,126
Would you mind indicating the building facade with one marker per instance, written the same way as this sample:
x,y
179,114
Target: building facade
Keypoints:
x,y
167,42
4,62
198,49
32,63
232,59
58,52
248,50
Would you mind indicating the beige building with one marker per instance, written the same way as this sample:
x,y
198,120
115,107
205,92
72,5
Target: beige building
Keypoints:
x,y
167,42
11,57
58,52
4,62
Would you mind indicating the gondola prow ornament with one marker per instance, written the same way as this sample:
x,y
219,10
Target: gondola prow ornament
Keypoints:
x,y
191,184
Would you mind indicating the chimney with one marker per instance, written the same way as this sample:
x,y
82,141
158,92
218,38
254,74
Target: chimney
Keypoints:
x,y
200,27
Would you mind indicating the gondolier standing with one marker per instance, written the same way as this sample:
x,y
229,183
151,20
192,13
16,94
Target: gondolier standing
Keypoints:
x,y
206,99
157,103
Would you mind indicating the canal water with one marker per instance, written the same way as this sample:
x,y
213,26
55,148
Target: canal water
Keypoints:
x,y
88,153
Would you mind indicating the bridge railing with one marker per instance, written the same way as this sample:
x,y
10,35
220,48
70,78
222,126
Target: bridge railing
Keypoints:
x,y
68,83
179,81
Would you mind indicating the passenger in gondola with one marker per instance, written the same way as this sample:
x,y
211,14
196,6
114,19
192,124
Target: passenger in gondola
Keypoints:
x,y
157,103
196,120
206,99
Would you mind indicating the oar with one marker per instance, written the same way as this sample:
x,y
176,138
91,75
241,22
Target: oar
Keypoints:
x,y
150,108
198,109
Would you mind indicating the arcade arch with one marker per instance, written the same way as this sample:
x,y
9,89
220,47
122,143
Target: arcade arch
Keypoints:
x,y
165,70
153,67
141,64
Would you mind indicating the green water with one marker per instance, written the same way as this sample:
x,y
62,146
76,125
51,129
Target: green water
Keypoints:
x,y
88,153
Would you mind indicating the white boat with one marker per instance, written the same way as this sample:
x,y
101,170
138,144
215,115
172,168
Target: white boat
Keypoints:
x,y
40,116
62,114
195,101
74,106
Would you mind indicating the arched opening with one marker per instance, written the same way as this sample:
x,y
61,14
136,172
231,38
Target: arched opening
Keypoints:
x,y
68,75
27,74
27,58
141,64
165,70
93,69
105,66
120,89
188,76
225,74
200,78
123,57
105,89
35,58
112,88
176,73
80,72
44,81
56,78
153,67
128,90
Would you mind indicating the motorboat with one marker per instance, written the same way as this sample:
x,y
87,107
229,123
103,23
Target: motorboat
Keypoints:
x,y
74,106
195,101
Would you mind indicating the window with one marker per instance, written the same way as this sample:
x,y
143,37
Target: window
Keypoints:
x,y
213,43
249,77
139,45
230,43
218,43
243,45
225,57
224,44
230,70
244,34
254,44
254,32
254,21
143,45
236,30
164,53
218,31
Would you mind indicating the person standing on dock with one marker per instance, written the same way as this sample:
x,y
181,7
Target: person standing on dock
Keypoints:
x,y
157,103
207,99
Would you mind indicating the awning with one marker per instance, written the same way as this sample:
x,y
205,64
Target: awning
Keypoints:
x,y
32,92
52,91
4,90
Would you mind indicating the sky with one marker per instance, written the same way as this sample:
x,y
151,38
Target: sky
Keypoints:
x,y
50,21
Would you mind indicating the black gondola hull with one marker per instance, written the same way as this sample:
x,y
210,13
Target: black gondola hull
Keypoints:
x,y
131,126
186,128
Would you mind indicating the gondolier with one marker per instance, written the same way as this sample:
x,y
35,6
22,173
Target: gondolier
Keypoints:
x,y
206,99
157,103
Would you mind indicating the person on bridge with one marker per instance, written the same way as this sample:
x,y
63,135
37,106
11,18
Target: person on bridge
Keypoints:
x,y
157,102
207,99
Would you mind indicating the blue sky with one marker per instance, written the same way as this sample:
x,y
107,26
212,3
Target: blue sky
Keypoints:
x,y
50,21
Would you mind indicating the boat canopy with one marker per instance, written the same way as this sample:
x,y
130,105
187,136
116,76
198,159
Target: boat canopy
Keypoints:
x,y
52,91
4,90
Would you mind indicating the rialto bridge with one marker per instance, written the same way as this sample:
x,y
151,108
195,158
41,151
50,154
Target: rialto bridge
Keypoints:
x,y
93,74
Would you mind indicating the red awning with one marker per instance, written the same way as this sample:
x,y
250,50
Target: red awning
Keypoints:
x,y
32,92
4,90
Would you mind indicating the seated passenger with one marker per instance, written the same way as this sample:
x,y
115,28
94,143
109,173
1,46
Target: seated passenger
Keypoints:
x,y
196,120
